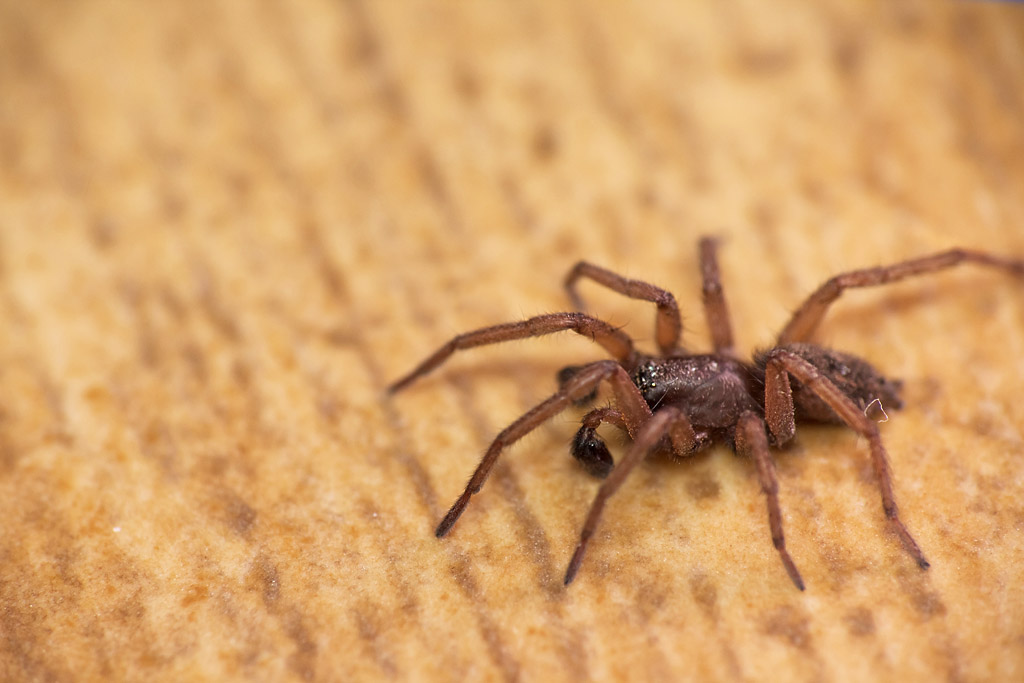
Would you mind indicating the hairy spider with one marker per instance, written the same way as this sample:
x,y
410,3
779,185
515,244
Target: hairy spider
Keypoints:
x,y
684,402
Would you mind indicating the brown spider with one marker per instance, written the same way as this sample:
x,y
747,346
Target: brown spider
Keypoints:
x,y
684,402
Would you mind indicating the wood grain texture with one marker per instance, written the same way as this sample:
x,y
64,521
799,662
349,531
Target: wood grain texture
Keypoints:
x,y
224,227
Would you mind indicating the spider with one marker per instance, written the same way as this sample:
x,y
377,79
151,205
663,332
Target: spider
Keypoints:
x,y
683,402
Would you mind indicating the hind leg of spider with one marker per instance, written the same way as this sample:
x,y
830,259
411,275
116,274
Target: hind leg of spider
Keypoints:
x,y
616,342
806,318
644,441
780,416
631,404
668,324
751,441
715,309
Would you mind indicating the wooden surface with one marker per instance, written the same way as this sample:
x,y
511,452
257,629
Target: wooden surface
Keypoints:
x,y
224,227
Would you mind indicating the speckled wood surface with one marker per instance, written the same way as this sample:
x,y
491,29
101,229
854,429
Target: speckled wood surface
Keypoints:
x,y
225,227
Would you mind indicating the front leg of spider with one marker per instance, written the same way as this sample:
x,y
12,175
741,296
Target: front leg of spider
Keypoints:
x,y
618,344
658,426
668,324
634,411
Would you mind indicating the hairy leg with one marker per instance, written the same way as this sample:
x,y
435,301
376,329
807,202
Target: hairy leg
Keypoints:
x,y
803,323
616,342
590,450
751,441
715,308
668,323
780,416
633,409
644,442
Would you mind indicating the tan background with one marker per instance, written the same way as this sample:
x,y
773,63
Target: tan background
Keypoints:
x,y
224,227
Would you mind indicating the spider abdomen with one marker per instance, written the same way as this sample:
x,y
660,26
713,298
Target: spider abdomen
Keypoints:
x,y
860,381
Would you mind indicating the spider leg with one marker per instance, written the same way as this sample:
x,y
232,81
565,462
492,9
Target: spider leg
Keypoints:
x,y
565,374
751,441
668,323
644,442
634,411
594,418
616,342
806,318
780,415
685,441
590,450
715,309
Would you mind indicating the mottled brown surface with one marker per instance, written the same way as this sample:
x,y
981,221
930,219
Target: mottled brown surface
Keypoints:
x,y
224,227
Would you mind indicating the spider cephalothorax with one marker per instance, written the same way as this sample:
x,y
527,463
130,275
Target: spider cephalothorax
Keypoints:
x,y
684,402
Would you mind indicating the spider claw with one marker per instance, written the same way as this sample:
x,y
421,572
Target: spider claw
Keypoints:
x,y
794,573
444,527
909,543
574,564
453,515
